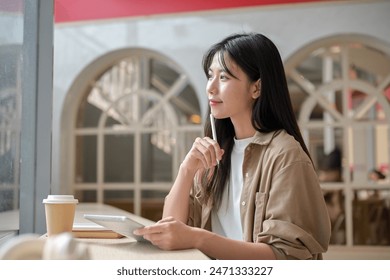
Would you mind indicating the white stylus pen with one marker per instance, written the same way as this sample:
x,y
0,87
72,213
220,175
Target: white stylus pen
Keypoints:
x,y
214,132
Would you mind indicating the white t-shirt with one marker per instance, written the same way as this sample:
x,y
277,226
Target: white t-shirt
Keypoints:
x,y
226,221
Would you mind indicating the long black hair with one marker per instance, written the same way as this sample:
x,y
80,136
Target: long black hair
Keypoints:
x,y
259,58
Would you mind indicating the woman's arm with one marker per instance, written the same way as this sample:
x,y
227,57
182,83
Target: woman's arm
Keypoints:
x,y
223,248
170,234
202,155
177,201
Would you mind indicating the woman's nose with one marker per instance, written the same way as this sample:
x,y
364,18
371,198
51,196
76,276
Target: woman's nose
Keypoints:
x,y
211,87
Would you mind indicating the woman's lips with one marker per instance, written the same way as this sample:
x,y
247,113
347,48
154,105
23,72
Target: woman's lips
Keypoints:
x,y
214,102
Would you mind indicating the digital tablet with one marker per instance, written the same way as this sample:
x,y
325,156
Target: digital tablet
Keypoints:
x,y
120,224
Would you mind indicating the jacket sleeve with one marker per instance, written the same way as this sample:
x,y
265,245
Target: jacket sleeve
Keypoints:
x,y
195,207
296,222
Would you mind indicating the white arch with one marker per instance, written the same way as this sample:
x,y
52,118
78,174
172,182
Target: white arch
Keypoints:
x,y
84,83
341,119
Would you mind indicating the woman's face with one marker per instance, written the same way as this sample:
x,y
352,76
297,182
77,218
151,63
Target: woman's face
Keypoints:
x,y
230,97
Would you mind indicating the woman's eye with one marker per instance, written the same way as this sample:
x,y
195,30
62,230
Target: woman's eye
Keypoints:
x,y
223,77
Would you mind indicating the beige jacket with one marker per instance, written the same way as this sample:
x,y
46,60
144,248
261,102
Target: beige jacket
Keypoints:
x,y
281,201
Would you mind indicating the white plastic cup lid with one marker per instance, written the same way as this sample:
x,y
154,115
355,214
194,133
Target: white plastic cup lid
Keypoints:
x,y
60,199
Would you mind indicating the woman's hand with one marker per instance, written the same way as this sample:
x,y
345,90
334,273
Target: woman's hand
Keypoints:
x,y
204,154
169,234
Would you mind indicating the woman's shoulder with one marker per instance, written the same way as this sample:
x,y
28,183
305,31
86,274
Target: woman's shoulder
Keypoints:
x,y
280,138
285,140
284,145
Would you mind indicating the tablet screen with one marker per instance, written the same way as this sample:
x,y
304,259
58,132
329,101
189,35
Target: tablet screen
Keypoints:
x,y
120,224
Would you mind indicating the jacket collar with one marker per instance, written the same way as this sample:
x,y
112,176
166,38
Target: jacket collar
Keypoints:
x,y
264,138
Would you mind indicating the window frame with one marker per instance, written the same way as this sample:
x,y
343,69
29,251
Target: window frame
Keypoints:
x,y
36,120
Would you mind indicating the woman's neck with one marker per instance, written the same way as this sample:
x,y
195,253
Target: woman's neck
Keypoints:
x,y
243,129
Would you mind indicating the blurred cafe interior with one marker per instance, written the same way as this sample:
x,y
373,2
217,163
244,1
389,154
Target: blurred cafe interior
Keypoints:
x,y
102,100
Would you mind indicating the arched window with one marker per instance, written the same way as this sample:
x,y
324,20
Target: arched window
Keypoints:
x,y
137,117
340,87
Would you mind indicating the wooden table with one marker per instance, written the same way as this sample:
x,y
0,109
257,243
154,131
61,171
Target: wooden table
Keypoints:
x,y
126,248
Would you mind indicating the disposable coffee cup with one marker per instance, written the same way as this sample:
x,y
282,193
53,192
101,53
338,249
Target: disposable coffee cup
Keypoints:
x,y
60,211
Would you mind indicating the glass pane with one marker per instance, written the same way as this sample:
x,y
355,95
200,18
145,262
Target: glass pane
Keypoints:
x,y
184,141
160,117
298,96
86,159
368,64
112,121
311,68
387,93
121,199
327,110
162,72
156,162
9,127
335,203
186,107
86,195
325,145
123,113
364,106
88,114
11,30
152,204
373,156
317,113
119,158
371,218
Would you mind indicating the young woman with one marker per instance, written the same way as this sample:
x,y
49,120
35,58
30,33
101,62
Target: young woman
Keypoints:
x,y
254,194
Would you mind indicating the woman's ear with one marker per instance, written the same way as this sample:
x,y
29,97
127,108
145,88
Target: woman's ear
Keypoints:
x,y
256,89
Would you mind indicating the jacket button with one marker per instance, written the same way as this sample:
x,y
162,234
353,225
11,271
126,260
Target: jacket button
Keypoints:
x,y
243,203
246,175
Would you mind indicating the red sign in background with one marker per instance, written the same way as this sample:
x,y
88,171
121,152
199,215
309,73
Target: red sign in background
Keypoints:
x,y
82,10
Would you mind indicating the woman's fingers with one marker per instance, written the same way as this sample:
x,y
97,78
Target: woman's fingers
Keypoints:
x,y
148,230
205,153
204,147
208,150
167,234
155,233
156,228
